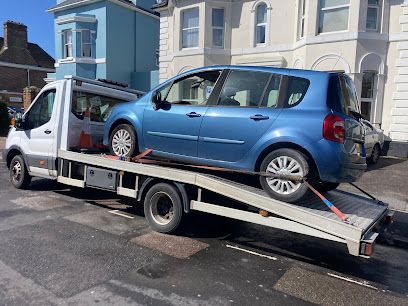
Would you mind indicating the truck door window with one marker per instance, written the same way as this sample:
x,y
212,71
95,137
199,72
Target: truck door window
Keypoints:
x,y
40,113
100,106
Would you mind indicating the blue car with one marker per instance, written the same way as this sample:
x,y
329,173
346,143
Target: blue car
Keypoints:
x,y
282,121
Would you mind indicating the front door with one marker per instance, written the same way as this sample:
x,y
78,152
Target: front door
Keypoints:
x,y
39,134
245,111
174,128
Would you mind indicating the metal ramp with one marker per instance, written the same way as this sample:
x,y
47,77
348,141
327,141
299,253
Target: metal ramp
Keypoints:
x,y
311,217
363,213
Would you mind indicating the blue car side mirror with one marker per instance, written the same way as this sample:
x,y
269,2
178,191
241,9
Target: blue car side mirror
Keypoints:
x,y
157,100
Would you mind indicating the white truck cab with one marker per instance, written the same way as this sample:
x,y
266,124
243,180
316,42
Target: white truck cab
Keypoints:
x,y
54,121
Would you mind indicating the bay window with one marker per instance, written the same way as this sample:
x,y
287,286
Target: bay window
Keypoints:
x,y
333,15
218,27
373,13
368,94
67,43
260,24
86,49
190,28
301,19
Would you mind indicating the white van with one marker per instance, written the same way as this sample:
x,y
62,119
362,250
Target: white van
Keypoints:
x,y
55,120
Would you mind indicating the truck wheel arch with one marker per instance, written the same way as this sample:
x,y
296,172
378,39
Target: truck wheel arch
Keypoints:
x,y
13,151
149,182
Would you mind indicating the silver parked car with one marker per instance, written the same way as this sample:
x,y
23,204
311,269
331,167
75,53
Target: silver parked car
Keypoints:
x,y
374,141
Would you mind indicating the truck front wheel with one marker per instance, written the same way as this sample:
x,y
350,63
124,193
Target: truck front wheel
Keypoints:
x,y
19,176
163,208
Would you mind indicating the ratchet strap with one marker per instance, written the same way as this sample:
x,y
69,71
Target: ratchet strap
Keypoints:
x,y
328,203
140,159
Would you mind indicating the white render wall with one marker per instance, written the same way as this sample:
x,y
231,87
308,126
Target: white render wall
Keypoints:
x,y
398,129
352,51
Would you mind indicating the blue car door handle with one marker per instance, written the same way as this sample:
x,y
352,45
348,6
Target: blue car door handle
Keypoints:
x,y
193,115
259,117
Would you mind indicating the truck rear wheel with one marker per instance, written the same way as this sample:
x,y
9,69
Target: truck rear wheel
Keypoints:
x,y
163,208
19,176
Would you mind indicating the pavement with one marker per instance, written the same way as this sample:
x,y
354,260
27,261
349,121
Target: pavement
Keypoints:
x,y
387,181
2,143
63,246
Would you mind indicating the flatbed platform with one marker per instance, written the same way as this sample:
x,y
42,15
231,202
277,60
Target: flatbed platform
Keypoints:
x,y
310,217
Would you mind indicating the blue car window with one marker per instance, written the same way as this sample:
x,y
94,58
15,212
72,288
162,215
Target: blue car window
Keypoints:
x,y
297,89
352,101
191,90
271,96
244,88
341,95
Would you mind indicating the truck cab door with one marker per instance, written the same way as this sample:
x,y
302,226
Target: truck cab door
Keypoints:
x,y
38,134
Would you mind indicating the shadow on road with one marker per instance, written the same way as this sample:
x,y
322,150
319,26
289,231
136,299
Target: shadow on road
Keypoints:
x,y
384,162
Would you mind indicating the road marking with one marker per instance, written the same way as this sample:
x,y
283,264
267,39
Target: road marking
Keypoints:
x,y
117,212
250,252
352,281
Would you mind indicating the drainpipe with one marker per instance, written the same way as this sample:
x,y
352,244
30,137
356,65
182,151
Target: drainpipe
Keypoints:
x,y
28,77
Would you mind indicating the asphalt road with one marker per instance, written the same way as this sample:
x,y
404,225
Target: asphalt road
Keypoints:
x,y
69,246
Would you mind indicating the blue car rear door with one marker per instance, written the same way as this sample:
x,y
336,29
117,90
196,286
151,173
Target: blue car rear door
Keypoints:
x,y
174,127
245,110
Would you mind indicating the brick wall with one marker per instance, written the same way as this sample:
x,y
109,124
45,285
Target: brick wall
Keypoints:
x,y
15,79
29,94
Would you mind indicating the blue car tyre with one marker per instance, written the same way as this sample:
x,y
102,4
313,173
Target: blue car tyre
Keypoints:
x,y
122,141
285,162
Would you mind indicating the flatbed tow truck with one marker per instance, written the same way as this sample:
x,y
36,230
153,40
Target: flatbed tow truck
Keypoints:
x,y
170,193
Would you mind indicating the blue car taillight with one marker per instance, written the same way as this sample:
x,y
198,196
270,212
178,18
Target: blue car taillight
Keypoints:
x,y
333,128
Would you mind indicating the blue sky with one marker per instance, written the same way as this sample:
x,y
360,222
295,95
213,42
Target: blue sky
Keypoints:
x,y
33,14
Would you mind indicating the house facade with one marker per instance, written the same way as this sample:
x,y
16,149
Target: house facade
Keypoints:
x,y
22,64
107,39
366,39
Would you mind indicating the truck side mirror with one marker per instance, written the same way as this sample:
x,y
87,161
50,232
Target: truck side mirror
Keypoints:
x,y
157,100
18,121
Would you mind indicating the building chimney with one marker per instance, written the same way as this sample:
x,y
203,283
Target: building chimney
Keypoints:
x,y
15,34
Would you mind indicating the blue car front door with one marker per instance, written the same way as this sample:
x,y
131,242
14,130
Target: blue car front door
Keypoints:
x,y
245,111
174,127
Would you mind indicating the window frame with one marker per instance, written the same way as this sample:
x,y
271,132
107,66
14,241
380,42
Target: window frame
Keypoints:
x,y
67,45
285,81
218,27
93,93
301,19
214,94
373,99
262,24
88,43
333,8
35,103
377,19
182,29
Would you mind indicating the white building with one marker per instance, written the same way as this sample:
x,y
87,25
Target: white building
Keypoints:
x,y
367,39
